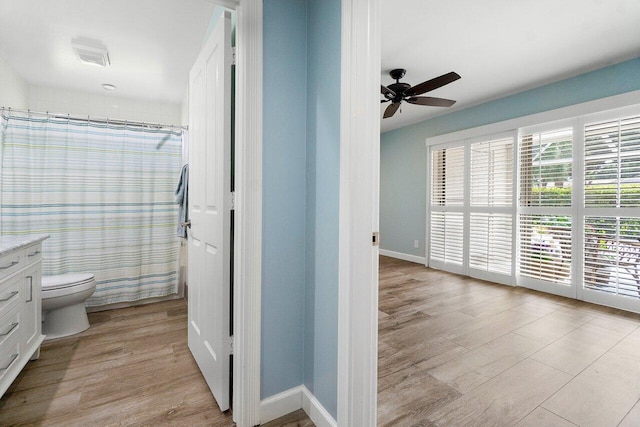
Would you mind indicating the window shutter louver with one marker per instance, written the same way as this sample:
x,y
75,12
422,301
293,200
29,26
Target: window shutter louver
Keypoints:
x,y
490,242
492,173
611,260
545,169
446,243
491,198
447,237
544,222
545,248
448,177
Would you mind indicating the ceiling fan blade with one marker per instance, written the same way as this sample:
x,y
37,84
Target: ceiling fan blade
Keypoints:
x,y
432,102
432,84
387,92
391,110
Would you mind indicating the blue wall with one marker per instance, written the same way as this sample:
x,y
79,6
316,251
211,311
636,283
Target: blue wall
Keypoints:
x,y
284,195
323,186
301,146
403,151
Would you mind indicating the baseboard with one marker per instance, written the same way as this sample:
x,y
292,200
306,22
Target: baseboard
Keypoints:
x,y
399,255
291,400
280,404
315,410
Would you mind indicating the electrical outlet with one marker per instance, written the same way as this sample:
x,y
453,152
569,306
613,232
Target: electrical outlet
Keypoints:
x,y
416,243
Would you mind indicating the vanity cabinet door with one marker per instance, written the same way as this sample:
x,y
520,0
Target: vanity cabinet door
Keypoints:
x,y
32,308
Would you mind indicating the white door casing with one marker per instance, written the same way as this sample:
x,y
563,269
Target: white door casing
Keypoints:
x,y
248,214
209,209
359,212
360,67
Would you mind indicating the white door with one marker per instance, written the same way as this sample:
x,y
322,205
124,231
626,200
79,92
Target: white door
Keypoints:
x,y
210,209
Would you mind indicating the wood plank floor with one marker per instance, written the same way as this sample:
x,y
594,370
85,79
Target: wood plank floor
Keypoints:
x,y
455,351
452,351
132,367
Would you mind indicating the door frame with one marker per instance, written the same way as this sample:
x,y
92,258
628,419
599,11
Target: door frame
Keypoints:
x,y
248,211
359,211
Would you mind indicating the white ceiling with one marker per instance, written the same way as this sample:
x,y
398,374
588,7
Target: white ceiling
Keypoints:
x,y
152,43
500,47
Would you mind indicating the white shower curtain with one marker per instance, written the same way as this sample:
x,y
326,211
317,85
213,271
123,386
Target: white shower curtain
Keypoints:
x,y
103,192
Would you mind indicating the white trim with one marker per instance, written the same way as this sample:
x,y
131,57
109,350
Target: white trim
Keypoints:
x,y
281,404
615,301
231,4
314,409
359,213
248,214
571,111
293,399
406,257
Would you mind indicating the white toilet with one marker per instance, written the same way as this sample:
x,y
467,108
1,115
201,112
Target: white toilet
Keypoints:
x,y
63,297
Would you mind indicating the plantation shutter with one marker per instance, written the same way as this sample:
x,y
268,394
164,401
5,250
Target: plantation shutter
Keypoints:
x,y
544,221
612,200
490,218
446,242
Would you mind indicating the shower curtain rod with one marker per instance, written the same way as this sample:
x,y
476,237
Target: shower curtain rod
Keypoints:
x,y
92,119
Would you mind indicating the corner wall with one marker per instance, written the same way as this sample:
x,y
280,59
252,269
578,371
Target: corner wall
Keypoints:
x,y
301,146
323,190
283,195
403,151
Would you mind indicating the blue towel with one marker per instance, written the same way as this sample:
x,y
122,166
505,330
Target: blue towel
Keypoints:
x,y
182,198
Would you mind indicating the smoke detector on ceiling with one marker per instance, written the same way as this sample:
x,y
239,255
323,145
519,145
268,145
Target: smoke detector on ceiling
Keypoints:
x,y
91,52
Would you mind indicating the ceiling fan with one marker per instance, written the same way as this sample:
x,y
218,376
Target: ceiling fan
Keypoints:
x,y
398,92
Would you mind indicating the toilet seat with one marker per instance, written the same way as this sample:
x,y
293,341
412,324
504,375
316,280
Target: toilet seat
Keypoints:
x,y
50,283
66,284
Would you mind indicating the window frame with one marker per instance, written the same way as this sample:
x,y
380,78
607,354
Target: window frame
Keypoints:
x,y
569,290
575,116
586,294
466,208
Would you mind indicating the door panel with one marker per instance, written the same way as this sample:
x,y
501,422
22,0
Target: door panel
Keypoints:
x,y
209,198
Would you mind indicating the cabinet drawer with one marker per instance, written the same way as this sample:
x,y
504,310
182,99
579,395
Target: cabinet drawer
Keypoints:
x,y
33,254
9,356
9,327
10,294
11,263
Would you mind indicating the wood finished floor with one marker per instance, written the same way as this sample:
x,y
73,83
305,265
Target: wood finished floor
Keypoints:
x,y
131,367
455,351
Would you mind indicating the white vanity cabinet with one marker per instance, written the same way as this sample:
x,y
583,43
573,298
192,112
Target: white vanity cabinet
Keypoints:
x,y
20,304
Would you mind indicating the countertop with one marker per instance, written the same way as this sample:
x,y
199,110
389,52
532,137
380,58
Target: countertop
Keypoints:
x,y
10,243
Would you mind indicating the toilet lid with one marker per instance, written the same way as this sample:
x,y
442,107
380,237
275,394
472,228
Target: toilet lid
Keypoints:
x,y
65,280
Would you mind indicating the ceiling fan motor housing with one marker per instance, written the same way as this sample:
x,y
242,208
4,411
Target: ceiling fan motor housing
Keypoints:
x,y
399,89
397,74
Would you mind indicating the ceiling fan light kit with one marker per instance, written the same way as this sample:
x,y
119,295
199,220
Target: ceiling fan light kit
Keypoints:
x,y
398,92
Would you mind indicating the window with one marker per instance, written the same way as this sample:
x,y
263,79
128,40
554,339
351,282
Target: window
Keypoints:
x,y
491,198
447,207
569,224
612,202
472,236
544,219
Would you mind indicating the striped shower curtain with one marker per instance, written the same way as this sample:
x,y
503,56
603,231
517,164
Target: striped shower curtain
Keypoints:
x,y
103,192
